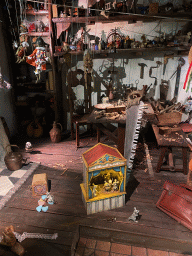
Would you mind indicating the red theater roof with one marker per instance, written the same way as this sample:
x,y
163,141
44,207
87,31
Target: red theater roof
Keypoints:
x,y
98,151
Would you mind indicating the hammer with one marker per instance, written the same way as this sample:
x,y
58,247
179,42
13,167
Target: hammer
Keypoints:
x,y
142,65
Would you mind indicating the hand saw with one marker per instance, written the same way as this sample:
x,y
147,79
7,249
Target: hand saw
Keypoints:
x,y
181,64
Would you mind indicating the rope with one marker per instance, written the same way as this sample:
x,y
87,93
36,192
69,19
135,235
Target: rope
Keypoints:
x,y
7,4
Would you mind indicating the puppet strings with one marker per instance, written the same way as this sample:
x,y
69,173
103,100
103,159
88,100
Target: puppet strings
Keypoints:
x,y
17,16
7,4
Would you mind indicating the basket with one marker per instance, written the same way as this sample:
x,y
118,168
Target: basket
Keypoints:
x,y
169,118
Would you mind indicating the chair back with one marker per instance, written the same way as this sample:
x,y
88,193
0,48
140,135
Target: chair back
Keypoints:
x,y
75,78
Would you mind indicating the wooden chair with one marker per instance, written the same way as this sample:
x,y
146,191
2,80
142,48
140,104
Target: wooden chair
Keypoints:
x,y
75,78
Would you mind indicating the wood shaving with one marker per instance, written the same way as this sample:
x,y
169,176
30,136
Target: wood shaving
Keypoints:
x,y
64,172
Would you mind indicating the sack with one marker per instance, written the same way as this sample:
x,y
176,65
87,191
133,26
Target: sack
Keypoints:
x,y
176,201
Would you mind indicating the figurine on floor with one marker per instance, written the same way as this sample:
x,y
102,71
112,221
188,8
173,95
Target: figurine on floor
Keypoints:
x,y
38,58
135,215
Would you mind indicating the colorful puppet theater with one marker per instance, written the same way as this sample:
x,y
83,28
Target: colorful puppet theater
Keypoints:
x,y
104,179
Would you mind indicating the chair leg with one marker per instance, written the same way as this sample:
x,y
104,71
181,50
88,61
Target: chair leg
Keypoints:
x,y
77,134
72,131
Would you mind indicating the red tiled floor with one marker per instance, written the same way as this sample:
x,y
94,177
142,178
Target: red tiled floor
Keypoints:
x,y
82,242
79,251
91,243
103,246
101,253
151,252
117,254
88,252
178,254
121,248
138,251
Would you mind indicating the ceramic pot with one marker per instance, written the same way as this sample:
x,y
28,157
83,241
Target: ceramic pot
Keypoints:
x,y
55,133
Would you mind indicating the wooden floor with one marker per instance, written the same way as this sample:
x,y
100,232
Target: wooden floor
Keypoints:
x,y
63,165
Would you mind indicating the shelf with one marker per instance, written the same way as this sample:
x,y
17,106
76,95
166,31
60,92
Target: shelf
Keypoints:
x,y
38,34
34,13
177,50
124,17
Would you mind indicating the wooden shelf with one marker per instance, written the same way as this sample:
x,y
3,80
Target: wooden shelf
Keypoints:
x,y
124,17
177,50
34,13
38,34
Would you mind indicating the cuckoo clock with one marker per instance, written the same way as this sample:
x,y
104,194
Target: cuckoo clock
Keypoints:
x,y
104,178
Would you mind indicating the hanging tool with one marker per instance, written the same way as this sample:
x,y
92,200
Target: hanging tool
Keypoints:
x,y
150,71
142,65
166,57
180,65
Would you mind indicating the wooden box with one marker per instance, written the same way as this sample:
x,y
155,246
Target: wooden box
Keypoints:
x,y
40,184
104,179
169,118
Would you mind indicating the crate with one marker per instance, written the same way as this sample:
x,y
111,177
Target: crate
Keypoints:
x,y
169,118
40,184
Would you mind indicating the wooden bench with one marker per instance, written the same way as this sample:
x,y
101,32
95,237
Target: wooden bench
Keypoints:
x,y
166,143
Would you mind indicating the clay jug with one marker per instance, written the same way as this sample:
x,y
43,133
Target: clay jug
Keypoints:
x,y
55,133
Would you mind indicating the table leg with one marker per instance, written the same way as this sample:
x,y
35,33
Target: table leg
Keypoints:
x,y
77,134
121,138
98,135
160,162
185,164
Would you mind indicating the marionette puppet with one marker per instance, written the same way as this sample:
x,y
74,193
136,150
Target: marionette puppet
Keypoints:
x,y
23,44
38,58
188,78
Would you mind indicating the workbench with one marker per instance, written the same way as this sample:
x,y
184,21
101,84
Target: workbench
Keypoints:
x,y
166,142
113,128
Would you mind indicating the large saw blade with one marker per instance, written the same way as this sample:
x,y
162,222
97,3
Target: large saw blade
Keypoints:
x,y
133,125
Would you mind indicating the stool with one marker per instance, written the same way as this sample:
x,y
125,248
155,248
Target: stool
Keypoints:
x,y
167,143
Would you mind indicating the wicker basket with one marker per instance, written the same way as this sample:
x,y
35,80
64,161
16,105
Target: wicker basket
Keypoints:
x,y
169,118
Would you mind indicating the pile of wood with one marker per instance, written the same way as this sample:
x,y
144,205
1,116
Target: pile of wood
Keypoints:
x,y
166,106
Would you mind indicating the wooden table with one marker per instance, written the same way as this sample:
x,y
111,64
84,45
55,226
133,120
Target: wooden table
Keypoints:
x,y
166,143
115,133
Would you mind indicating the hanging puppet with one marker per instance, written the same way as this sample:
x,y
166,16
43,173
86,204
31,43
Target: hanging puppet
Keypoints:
x,y
189,72
23,44
88,66
38,58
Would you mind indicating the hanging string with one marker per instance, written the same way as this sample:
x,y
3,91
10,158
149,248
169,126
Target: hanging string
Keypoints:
x,y
21,10
7,4
17,16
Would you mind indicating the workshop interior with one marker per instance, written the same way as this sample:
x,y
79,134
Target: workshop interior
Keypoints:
x,y
95,127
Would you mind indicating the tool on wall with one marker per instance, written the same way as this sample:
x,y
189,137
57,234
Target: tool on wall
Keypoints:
x,y
166,57
164,87
180,65
150,71
142,65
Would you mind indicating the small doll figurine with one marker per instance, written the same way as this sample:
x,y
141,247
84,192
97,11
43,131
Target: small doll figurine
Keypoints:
x,y
115,185
38,58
